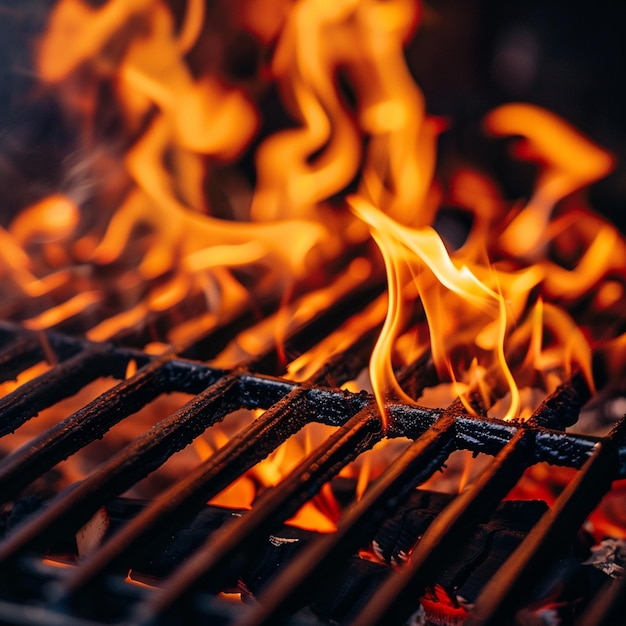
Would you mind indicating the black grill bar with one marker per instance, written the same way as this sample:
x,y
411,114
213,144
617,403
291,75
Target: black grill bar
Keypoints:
x,y
71,510
392,603
291,590
608,607
92,421
182,500
507,590
27,349
211,561
280,421
289,406
58,383
446,534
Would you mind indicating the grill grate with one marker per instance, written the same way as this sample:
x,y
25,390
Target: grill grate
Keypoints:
x,y
34,592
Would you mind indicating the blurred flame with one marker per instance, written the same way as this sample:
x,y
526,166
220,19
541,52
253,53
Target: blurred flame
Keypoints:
x,y
567,160
497,313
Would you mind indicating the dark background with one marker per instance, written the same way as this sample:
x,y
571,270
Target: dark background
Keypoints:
x,y
569,57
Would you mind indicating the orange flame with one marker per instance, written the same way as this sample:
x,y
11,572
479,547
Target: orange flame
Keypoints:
x,y
496,309
419,255
568,161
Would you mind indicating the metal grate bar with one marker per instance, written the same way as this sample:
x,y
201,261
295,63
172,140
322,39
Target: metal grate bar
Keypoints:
x,y
189,495
507,590
92,421
445,535
423,458
211,561
289,406
279,422
607,608
71,509
58,383
20,355
394,601
26,348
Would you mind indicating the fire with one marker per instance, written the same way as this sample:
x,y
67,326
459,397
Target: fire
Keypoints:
x,y
568,161
419,256
357,164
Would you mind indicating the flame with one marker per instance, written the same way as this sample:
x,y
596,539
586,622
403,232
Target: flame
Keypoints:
x,y
419,255
186,120
313,515
357,161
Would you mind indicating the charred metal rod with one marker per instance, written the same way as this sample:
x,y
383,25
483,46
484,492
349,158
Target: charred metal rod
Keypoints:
x,y
292,587
54,385
272,509
395,600
189,495
246,449
210,562
506,591
19,355
69,511
87,424
608,607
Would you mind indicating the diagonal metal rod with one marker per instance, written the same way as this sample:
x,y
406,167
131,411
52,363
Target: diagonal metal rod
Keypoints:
x,y
249,447
209,562
19,355
69,511
87,424
292,588
190,494
276,506
395,601
54,385
507,590
608,607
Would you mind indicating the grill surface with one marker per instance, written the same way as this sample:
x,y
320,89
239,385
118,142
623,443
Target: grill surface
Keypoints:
x,y
34,592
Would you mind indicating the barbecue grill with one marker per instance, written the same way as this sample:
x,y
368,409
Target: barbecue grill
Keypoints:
x,y
87,549
97,590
